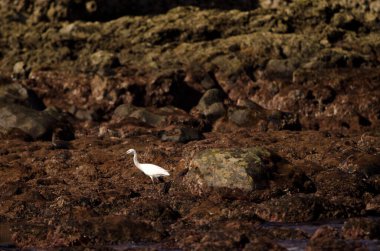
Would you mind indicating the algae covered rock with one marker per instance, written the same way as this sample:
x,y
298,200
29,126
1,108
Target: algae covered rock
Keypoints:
x,y
244,168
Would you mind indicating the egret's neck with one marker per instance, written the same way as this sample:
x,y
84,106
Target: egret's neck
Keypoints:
x,y
137,163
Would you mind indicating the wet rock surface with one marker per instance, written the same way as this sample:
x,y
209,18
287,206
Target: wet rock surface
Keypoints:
x,y
265,113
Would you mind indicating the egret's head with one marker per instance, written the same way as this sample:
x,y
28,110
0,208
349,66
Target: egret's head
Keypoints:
x,y
131,151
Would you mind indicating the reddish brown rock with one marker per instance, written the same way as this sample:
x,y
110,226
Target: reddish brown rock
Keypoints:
x,y
361,228
328,238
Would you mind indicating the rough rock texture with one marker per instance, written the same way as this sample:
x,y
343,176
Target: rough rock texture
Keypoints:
x,y
361,229
33,123
329,238
298,208
246,169
306,58
295,81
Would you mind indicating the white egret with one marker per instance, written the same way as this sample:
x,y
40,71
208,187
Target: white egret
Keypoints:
x,y
153,171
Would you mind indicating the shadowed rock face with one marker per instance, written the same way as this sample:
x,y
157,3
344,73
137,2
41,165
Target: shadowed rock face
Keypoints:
x,y
262,111
31,122
102,10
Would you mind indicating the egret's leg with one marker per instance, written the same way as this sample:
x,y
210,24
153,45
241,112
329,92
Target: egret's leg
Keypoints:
x,y
152,179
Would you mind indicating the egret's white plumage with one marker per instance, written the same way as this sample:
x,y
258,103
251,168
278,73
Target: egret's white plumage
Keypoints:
x,y
153,171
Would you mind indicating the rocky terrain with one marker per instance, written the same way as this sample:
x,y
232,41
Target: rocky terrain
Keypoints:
x,y
265,113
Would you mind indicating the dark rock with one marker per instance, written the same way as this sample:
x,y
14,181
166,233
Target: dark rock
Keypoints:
x,y
279,120
211,105
139,113
334,35
169,88
199,78
210,97
262,244
373,205
153,210
181,135
119,228
257,116
14,92
338,207
361,228
34,123
60,144
102,10
233,235
290,178
329,238
345,20
338,183
291,208
281,68
362,163
374,183
100,230
161,118
279,232
214,111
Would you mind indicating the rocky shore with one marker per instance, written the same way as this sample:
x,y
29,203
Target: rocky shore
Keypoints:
x,y
264,112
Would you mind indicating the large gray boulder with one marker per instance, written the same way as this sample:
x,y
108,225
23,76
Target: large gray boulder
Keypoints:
x,y
14,117
242,168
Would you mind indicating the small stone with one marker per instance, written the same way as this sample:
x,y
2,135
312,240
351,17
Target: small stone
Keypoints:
x,y
20,70
91,6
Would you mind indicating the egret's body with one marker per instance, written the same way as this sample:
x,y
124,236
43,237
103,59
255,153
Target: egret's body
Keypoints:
x,y
153,171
